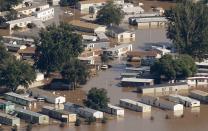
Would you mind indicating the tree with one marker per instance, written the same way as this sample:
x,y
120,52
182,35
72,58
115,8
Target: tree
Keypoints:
x,y
188,28
14,73
68,2
75,72
3,54
110,14
14,128
29,127
78,122
104,58
11,15
6,5
2,20
57,45
97,99
167,68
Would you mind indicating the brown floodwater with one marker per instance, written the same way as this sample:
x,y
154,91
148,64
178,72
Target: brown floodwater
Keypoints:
x,y
193,119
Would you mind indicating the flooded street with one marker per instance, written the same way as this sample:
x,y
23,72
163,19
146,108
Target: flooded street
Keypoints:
x,y
193,119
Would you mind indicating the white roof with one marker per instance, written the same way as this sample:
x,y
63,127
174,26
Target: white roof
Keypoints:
x,y
136,9
31,18
41,11
86,58
89,37
119,47
202,93
135,102
161,49
143,68
151,19
133,79
115,107
20,96
18,38
101,35
185,98
204,63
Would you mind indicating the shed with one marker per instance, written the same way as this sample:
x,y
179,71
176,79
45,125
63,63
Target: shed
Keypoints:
x,y
120,33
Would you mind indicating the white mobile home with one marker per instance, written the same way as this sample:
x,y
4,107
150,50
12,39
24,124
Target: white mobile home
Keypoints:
x,y
164,89
133,105
45,14
186,101
114,110
83,111
160,103
49,97
199,95
85,5
23,22
19,99
62,115
31,9
9,120
199,80
118,50
32,117
120,33
87,112
137,70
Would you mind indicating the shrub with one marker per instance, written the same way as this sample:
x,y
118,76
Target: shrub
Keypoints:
x,y
104,120
62,124
78,122
29,127
31,25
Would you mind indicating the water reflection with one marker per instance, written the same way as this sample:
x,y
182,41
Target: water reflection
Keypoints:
x,y
195,110
178,113
146,115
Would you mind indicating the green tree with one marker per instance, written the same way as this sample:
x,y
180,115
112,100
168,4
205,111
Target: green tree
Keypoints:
x,y
167,68
68,2
77,122
188,28
57,45
3,54
14,73
11,15
75,72
104,58
97,99
6,5
29,127
110,14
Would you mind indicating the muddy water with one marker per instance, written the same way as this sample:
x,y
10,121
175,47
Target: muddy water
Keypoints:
x,y
193,120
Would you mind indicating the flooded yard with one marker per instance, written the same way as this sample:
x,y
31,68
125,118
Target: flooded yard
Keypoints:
x,y
193,119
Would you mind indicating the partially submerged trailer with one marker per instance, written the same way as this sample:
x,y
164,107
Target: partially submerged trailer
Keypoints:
x,y
160,103
134,105
186,101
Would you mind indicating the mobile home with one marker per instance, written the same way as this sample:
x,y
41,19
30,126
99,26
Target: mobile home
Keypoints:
x,y
160,103
133,105
186,101
114,110
83,111
19,99
32,117
62,115
135,82
118,51
6,119
164,89
199,95
49,97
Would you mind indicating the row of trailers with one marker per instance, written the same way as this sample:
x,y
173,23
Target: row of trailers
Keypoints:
x,y
175,102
